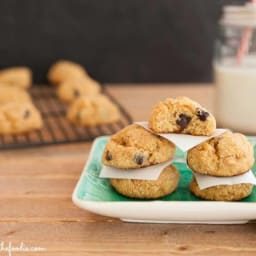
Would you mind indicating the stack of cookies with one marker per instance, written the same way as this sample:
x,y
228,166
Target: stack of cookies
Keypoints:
x,y
88,107
133,148
226,155
17,112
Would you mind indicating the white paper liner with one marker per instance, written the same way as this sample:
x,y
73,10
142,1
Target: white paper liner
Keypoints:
x,y
147,173
183,141
206,181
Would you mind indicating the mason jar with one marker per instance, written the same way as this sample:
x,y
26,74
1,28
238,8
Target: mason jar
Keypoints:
x,y
235,69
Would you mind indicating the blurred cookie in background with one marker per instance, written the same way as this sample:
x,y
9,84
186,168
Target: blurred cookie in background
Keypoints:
x,y
19,117
13,94
64,70
92,111
71,90
16,76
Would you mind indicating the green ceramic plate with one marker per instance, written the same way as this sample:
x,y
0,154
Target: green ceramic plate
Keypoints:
x,y
97,192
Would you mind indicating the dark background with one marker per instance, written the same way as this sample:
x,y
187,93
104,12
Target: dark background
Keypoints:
x,y
117,40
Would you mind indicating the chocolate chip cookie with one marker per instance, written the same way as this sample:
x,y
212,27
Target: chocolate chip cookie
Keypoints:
x,y
135,147
92,111
16,76
13,94
64,70
71,90
19,117
181,115
222,192
226,155
166,183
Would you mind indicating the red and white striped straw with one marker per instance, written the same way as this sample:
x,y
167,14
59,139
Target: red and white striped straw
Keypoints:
x,y
245,42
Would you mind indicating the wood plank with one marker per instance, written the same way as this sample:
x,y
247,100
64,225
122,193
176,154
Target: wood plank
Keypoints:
x,y
44,209
137,239
37,187
50,161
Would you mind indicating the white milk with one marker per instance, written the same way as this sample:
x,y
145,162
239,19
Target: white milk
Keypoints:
x,y
236,95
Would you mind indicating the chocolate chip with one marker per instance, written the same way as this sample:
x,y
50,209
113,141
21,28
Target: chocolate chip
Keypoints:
x,y
26,114
76,93
139,158
183,121
108,156
202,115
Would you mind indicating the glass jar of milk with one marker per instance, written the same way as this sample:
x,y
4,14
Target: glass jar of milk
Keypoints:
x,y
235,69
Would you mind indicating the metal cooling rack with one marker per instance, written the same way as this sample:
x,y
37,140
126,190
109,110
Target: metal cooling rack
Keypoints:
x,y
56,129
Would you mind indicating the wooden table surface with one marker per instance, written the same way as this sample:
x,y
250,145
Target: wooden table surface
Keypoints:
x,y
36,207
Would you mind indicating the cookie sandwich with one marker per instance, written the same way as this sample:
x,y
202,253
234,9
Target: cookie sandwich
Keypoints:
x,y
134,148
228,155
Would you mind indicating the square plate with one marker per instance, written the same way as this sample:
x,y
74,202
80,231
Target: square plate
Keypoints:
x,y
97,195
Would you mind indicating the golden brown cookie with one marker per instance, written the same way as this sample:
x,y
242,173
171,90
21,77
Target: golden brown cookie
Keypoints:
x,y
12,93
222,192
226,155
64,70
181,115
135,147
166,183
19,117
73,89
92,111
16,76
